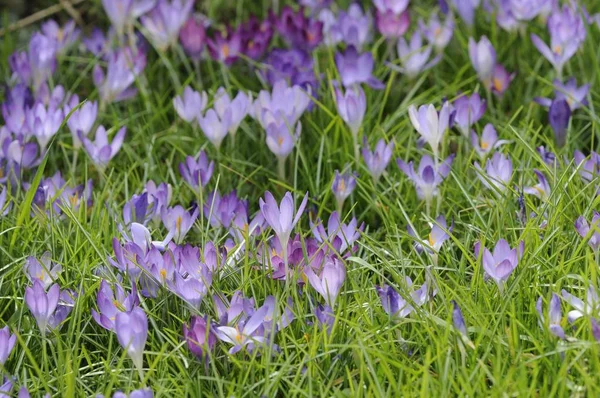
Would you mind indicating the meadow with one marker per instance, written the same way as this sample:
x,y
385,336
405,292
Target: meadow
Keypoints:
x,y
312,198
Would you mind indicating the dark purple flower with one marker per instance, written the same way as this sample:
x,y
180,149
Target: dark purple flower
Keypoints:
x,y
225,46
256,37
355,68
458,320
295,66
200,336
192,37
395,305
299,30
547,157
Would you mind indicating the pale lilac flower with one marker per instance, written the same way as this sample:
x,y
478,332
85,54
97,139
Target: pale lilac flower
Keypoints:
x,y
96,42
110,303
500,264
81,121
342,186
4,205
391,25
215,129
325,316
66,302
42,270
437,33
281,139
395,305
44,123
430,125
428,175
590,307
284,105
468,111
200,336
159,196
466,10
498,172
124,66
6,387
554,316
351,106
165,21
436,238
178,221
140,393
123,13
414,56
100,150
63,36
589,169
501,79
458,319
329,279
353,27
42,59
378,160
193,287
338,234
197,172
526,10
132,332
7,343
190,104
232,111
594,322
541,189
489,140
226,46
395,6
41,304
355,68
483,58
576,97
248,332
589,230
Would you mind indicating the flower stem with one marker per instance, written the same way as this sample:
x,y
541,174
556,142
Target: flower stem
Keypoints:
x,y
281,168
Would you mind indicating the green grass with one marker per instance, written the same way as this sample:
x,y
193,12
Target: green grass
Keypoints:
x,y
367,354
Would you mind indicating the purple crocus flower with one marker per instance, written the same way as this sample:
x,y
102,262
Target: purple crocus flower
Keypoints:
x,y
436,238
226,46
284,104
101,151
295,66
329,279
391,25
197,172
395,305
589,307
589,169
14,109
355,68
42,59
431,125
124,66
7,343
526,10
378,160
81,121
122,13
501,79
4,205
256,37
352,106
559,116
190,104
500,264
466,10
341,236
249,331
554,316
6,387
96,42
299,30
165,21
159,196
281,140
353,27
231,111
325,317
541,189
458,319
548,157
437,33
63,36
65,305
110,303
468,111
41,304
179,221
192,37
42,270
483,58
488,141
575,96
200,336
343,185
140,393
193,287
44,123
589,230
498,172
414,56
428,175
132,331
594,322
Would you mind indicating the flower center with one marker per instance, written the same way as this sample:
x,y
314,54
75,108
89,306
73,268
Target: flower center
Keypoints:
x,y
225,50
498,85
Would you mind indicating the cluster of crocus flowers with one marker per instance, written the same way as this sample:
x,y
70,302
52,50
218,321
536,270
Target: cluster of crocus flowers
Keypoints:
x,y
164,22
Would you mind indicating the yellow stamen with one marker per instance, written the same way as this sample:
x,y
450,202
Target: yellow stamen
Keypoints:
x,y
558,50
280,141
225,50
178,223
342,186
485,145
498,85
437,31
431,240
163,274
251,44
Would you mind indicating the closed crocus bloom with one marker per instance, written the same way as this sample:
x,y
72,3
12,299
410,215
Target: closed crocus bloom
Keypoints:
x,y
42,270
468,111
590,230
483,59
466,10
559,116
179,221
190,104
498,172
589,307
281,140
437,33
431,125
414,56
42,304
354,26
458,319
342,187
500,264
122,13
233,110
355,68
123,67
7,343
63,36
110,303
165,21
541,189
199,336
132,332
215,128
352,106
378,160
390,25
82,120
488,141
285,104
554,316
42,59
100,150
197,172
329,280
192,37
427,176
44,123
